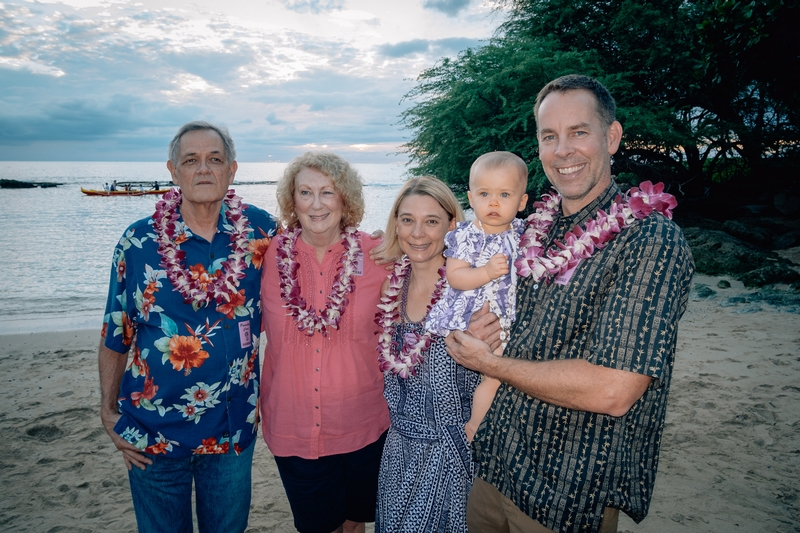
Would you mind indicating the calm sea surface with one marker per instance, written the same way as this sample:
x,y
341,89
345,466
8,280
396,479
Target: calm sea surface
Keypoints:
x,y
56,243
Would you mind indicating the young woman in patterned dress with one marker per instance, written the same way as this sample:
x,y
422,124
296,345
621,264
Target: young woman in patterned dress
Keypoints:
x,y
426,470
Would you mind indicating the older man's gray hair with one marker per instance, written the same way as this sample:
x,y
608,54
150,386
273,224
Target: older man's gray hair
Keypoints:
x,y
199,125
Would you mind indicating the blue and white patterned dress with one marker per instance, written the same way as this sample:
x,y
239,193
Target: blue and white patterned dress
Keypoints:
x,y
426,469
469,243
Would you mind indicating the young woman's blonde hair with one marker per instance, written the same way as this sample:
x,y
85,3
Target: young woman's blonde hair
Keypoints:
x,y
422,186
345,178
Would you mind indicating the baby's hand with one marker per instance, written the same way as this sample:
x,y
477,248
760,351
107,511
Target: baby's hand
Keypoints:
x,y
497,266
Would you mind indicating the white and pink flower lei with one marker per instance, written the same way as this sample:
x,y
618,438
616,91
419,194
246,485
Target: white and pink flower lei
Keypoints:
x,y
223,282
402,362
579,243
306,318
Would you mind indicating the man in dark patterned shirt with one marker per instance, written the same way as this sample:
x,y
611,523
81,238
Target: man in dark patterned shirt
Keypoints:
x,y
574,432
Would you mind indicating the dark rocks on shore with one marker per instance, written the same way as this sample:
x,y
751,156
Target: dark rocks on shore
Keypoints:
x,y
17,184
744,248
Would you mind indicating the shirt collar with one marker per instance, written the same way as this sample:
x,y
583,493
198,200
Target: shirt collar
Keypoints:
x,y
221,220
603,201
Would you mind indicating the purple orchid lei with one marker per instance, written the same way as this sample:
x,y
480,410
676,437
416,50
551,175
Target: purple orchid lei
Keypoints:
x,y
307,319
390,358
223,282
581,243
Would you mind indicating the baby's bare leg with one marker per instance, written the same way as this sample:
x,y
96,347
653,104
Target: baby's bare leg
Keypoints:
x,y
482,400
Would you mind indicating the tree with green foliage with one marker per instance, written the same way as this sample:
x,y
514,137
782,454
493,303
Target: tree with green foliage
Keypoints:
x,y
751,72
482,102
694,99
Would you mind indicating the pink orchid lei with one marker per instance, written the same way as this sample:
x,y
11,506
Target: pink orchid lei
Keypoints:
x,y
223,282
306,318
579,243
402,362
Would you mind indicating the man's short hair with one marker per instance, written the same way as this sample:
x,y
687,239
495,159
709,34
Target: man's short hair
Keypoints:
x,y
493,160
200,125
605,105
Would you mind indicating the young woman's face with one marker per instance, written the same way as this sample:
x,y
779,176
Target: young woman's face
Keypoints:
x,y
422,224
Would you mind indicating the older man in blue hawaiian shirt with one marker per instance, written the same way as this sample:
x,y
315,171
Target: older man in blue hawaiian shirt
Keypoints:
x,y
183,306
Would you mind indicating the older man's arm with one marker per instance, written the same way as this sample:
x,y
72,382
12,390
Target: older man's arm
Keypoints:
x,y
112,366
572,383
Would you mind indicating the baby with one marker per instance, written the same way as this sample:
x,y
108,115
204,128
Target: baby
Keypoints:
x,y
480,258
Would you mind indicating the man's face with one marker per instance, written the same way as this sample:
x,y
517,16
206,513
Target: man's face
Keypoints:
x,y
203,172
574,147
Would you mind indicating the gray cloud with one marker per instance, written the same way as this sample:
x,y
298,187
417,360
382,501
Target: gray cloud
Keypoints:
x,y
313,6
216,67
79,84
436,47
272,119
80,119
450,8
404,48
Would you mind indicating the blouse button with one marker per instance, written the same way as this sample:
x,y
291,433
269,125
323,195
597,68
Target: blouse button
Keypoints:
x,y
536,286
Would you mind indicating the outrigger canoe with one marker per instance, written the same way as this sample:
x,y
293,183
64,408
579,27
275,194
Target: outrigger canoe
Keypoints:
x,y
96,192
128,188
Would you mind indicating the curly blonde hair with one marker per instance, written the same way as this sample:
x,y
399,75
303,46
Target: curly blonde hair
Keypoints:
x,y
421,186
346,180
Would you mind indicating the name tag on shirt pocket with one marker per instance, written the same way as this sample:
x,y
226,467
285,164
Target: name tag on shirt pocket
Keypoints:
x,y
360,264
564,277
244,334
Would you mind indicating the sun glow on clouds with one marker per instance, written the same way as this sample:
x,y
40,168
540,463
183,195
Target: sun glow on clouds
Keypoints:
x,y
282,80
31,66
188,85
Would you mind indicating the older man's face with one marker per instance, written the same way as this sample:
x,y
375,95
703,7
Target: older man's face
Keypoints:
x,y
203,172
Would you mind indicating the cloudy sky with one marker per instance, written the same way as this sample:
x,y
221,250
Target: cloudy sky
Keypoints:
x,y
111,80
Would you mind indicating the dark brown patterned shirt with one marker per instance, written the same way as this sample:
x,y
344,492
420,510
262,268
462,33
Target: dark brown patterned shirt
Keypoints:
x,y
620,309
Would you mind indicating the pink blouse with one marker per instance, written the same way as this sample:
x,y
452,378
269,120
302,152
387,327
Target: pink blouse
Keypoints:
x,y
322,395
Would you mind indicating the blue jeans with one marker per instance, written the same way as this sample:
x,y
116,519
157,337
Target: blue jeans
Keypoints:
x,y
162,493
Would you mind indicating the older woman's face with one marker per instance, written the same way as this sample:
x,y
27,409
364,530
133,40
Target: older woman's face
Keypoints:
x,y
318,206
422,224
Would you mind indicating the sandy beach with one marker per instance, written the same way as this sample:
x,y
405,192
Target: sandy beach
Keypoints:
x,y
730,456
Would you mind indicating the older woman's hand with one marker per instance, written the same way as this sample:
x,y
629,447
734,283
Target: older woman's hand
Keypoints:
x,y
374,256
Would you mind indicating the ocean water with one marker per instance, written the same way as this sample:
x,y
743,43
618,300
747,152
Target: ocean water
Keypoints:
x,y
56,243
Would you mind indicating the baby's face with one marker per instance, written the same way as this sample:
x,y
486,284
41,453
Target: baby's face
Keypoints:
x,y
496,196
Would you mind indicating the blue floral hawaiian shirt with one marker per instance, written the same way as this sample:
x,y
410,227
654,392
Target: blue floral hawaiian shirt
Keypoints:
x,y
191,386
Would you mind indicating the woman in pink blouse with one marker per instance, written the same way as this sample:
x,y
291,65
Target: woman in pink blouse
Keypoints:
x,y
323,413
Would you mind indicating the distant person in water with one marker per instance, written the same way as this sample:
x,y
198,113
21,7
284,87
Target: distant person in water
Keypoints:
x,y
178,357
